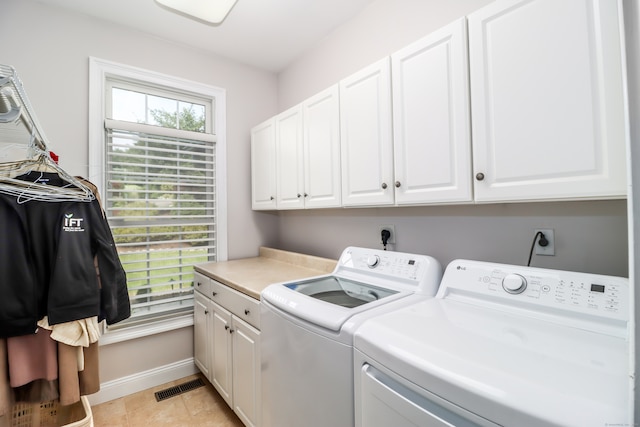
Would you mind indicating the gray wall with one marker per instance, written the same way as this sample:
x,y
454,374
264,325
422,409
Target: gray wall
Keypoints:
x,y
590,236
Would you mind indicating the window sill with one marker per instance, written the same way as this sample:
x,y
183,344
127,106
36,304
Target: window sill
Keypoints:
x,y
145,330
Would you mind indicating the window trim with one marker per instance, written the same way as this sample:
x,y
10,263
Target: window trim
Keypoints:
x,y
99,71
137,331
157,130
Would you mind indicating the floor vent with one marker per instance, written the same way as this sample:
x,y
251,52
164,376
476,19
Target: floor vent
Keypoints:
x,y
178,389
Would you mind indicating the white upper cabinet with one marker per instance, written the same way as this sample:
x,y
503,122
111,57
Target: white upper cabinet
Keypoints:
x,y
431,125
263,165
308,153
547,98
366,137
289,159
321,119
522,101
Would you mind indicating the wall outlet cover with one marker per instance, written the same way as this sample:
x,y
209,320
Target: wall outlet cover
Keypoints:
x,y
392,230
548,250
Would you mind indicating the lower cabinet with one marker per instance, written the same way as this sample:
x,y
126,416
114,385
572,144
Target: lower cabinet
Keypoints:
x,y
202,314
222,353
246,372
227,346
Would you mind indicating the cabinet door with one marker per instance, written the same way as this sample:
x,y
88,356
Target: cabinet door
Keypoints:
x,y
201,333
431,125
289,160
321,118
246,373
221,360
547,97
263,166
366,138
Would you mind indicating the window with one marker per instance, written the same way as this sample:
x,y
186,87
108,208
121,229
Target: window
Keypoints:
x,y
157,148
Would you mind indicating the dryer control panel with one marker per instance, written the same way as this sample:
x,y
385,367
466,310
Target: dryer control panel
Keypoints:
x,y
562,295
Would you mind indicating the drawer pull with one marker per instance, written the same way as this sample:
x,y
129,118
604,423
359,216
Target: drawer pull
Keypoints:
x,y
246,312
214,293
198,283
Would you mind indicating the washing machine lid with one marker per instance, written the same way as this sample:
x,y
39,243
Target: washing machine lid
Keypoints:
x,y
340,291
328,301
510,369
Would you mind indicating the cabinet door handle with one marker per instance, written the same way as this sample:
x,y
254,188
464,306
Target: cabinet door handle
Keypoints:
x,y
230,331
398,184
271,198
246,312
214,293
306,195
299,195
206,312
384,185
198,283
479,176
226,327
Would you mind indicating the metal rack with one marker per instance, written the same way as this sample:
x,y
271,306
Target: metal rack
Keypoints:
x,y
19,127
18,122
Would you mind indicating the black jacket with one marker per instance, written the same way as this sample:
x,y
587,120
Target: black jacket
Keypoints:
x,y
47,252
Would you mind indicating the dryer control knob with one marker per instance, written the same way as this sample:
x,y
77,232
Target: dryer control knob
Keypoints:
x,y
373,261
514,283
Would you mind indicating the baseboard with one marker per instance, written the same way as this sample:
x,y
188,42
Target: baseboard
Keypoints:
x,y
124,386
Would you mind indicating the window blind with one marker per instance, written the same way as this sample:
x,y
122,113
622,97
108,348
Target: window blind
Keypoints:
x,y
160,204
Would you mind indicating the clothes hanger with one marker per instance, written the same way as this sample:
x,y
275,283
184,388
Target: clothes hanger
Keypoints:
x,y
24,180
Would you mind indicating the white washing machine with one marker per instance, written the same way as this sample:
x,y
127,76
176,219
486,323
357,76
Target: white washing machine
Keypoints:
x,y
500,345
307,332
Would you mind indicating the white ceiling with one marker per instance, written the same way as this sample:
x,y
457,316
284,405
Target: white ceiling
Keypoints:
x,y
268,34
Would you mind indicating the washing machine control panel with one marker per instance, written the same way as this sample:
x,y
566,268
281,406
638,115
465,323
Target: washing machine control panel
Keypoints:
x,y
553,291
397,264
397,270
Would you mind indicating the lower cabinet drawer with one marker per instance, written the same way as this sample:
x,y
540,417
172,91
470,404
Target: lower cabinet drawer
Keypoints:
x,y
202,284
241,305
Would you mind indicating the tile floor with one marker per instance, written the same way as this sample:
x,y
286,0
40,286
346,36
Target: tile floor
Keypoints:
x,y
200,407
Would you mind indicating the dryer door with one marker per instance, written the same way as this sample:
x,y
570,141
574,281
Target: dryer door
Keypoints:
x,y
386,401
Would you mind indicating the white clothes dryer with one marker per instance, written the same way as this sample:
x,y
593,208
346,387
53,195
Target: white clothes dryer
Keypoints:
x,y
500,345
307,332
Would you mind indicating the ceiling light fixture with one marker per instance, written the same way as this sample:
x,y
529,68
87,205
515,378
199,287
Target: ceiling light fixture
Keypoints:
x,y
211,11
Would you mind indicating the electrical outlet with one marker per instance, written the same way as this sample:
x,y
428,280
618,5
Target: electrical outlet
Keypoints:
x,y
391,229
550,249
